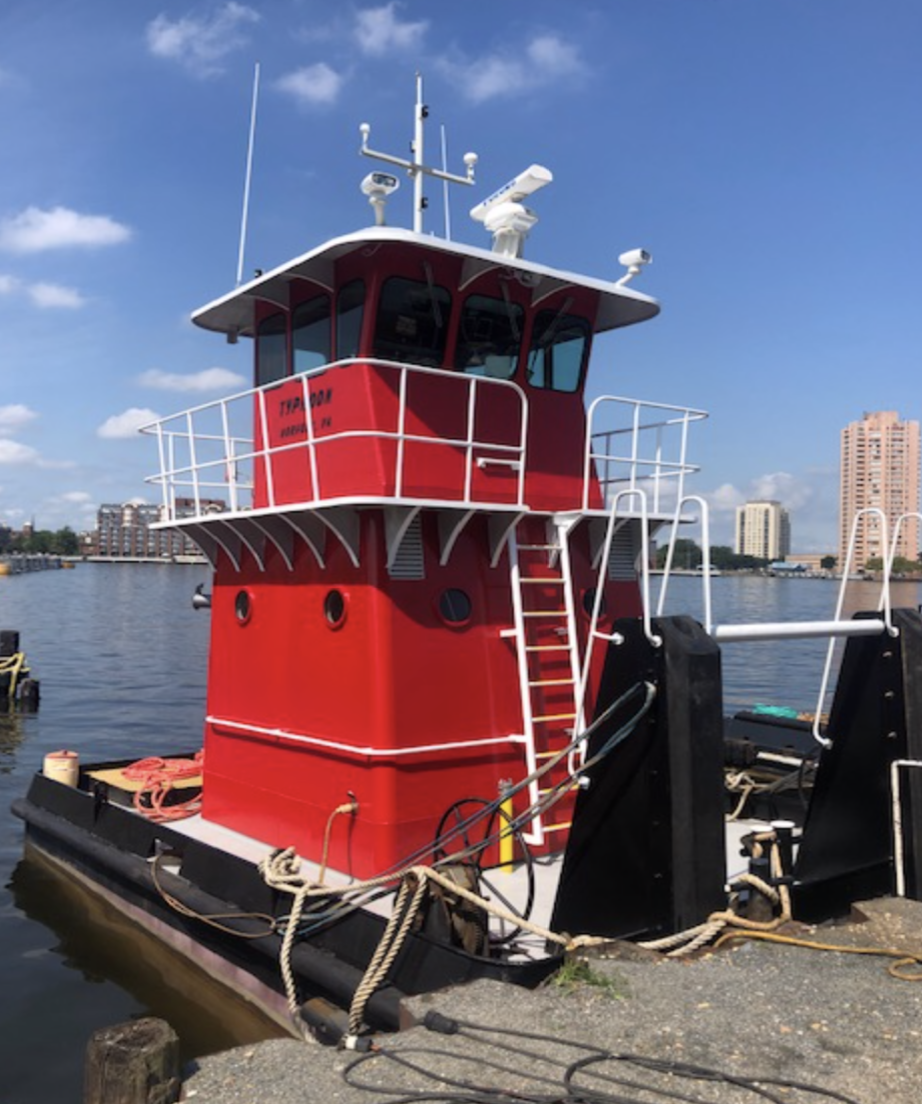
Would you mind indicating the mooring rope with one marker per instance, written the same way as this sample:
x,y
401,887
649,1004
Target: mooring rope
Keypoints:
x,y
157,777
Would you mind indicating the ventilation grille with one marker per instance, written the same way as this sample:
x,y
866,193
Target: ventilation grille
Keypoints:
x,y
408,563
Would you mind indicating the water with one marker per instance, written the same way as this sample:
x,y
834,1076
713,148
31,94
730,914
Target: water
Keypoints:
x,y
122,660
121,656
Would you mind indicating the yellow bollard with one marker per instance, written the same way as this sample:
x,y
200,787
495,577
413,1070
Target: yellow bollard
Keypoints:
x,y
506,839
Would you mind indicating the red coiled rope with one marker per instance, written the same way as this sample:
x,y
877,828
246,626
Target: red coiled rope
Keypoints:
x,y
157,777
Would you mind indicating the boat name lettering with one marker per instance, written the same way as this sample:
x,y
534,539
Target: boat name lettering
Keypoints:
x,y
296,402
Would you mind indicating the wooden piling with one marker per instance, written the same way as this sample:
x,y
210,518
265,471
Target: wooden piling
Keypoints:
x,y
133,1063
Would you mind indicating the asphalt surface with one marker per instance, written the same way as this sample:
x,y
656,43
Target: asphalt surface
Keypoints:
x,y
749,1011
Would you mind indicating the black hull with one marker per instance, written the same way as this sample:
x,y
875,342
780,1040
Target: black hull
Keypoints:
x,y
108,849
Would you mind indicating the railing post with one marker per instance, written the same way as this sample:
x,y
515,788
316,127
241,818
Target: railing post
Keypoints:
x,y
311,444
401,431
469,440
265,452
229,460
196,494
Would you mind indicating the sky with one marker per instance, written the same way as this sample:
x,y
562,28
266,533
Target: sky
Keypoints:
x,y
768,153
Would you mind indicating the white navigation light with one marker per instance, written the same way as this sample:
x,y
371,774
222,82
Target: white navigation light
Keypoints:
x,y
504,215
378,186
525,184
633,261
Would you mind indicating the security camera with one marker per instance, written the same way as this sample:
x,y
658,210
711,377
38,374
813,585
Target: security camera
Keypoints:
x,y
533,178
633,261
634,258
379,185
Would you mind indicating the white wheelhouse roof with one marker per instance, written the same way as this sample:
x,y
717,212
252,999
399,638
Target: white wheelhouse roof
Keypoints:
x,y
233,313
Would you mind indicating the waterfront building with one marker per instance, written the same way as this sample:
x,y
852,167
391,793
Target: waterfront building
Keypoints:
x,y
880,473
763,530
125,531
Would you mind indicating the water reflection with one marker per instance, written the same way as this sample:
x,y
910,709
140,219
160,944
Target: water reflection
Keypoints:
x,y
13,731
95,940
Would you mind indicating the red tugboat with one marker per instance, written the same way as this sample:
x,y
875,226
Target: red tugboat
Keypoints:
x,y
429,649
418,534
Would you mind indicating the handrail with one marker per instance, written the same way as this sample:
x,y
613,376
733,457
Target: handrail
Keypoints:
x,y
884,605
705,556
212,457
616,638
666,425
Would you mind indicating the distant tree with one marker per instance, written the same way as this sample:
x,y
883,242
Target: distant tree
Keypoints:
x,y
827,563
687,555
65,542
900,566
723,557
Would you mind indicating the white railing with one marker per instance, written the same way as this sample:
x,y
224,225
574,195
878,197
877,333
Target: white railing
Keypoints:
x,y
209,456
633,445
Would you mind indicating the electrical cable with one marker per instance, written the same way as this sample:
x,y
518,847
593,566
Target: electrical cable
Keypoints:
x,y
534,1087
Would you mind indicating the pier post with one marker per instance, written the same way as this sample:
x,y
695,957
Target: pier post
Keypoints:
x,y
133,1063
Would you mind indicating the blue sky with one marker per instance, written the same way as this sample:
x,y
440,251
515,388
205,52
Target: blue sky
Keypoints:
x,y
767,153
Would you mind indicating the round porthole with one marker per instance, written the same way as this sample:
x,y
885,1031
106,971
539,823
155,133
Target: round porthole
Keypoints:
x,y
243,606
334,608
589,602
455,606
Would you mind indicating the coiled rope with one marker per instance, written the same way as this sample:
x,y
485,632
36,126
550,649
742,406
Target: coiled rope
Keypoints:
x,y
157,777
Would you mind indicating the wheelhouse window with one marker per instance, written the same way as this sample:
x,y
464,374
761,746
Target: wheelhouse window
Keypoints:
x,y
412,322
271,349
489,337
350,310
311,339
559,350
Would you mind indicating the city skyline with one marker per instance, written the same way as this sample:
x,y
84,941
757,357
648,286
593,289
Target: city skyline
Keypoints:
x,y
125,136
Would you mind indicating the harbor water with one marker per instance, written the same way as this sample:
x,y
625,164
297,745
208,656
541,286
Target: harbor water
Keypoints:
x,y
122,658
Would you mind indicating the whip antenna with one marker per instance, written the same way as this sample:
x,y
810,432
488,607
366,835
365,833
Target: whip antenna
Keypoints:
x,y
249,173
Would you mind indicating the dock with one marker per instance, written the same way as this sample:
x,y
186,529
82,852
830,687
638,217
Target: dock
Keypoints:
x,y
783,1016
19,563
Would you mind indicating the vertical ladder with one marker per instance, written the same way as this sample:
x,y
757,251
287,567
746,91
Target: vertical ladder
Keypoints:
x,y
548,664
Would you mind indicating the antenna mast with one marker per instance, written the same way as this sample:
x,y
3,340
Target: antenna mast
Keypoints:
x,y
249,173
417,168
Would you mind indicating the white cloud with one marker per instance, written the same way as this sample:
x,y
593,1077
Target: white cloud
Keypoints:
x,y
55,295
378,31
553,55
200,43
126,424
546,59
209,379
12,452
14,416
42,294
791,491
34,230
313,85
76,498
725,498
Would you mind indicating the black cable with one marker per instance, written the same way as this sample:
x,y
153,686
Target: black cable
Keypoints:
x,y
566,1090
518,822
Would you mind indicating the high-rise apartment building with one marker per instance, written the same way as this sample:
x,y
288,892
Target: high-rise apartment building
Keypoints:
x,y
880,475
763,530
